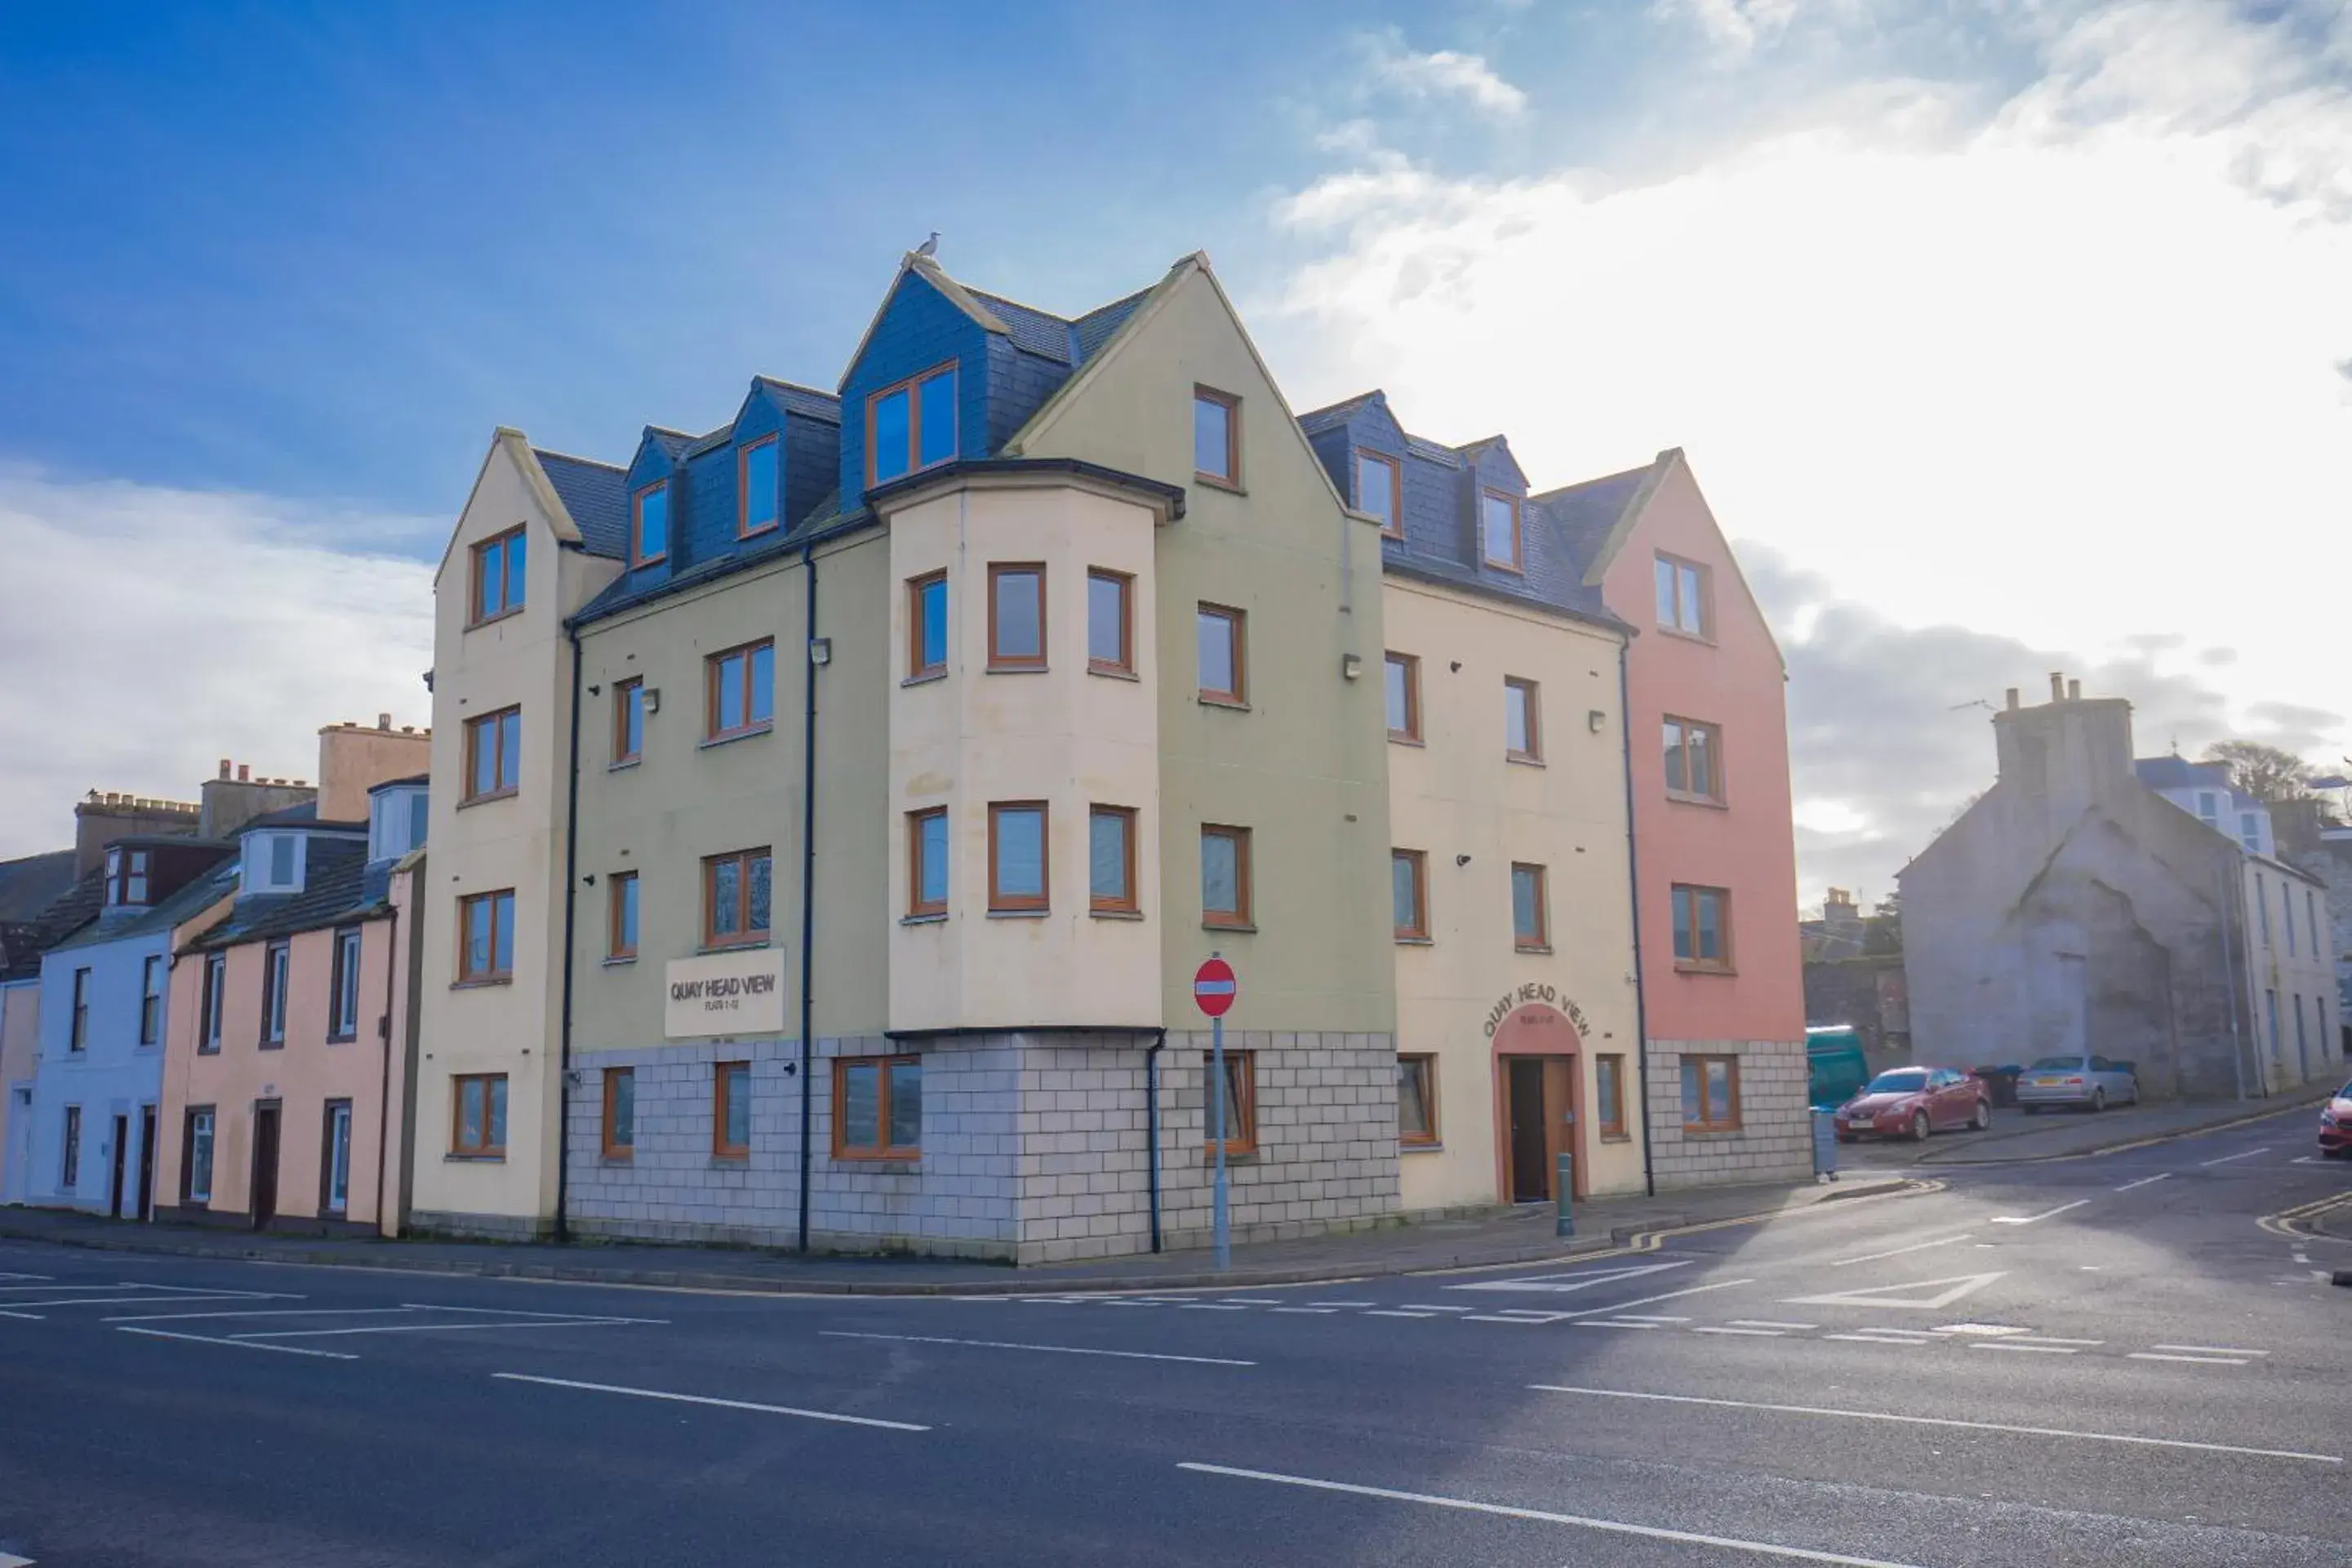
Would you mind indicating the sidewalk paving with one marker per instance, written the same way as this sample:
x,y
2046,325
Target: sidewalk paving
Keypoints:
x,y
1522,1236
2018,1136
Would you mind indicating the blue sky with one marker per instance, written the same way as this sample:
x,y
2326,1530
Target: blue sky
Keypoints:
x,y
2003,337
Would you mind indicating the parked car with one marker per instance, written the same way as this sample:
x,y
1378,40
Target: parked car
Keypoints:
x,y
2335,1125
1913,1101
2092,1082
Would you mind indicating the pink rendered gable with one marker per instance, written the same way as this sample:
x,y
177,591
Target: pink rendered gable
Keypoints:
x,y
1748,845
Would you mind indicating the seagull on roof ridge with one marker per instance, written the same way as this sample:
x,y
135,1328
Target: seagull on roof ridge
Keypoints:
x,y
930,246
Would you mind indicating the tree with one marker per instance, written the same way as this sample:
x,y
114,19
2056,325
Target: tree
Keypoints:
x,y
2265,772
1882,932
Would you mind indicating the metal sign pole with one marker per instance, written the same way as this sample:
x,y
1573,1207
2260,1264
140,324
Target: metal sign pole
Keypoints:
x,y
1221,1222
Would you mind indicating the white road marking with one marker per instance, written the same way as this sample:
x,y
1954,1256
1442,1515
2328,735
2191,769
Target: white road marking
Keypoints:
x,y
433,1328
1876,1339
1343,1303
1609,1526
27,1317
1761,1333
1209,1307
1989,1328
1311,1312
1562,1284
1957,1286
266,1312
1769,1323
721,1403
2241,1154
1118,1301
1435,1306
242,1343
1613,1324
118,1300
1619,1310
519,1313
1946,1421
2208,1350
1898,1252
2020,1345
1252,1300
8,1562
1052,1348
1493,1318
1386,1312
2198,1360
1648,1318
7,1276
2046,1213
2144,1181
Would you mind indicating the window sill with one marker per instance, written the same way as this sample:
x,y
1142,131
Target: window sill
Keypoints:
x,y
273,1045
1685,969
343,1039
1244,926
1523,760
498,1158
1215,483
1691,1132
1019,914
481,984
1616,1137
1210,699
1232,1157
1018,670
1420,1146
720,1162
485,799
751,946
924,677
625,763
1535,949
507,614
208,1051
734,736
938,919
1116,914
1397,737
619,960
1114,673
1416,942
742,533
1701,638
890,1163
1713,802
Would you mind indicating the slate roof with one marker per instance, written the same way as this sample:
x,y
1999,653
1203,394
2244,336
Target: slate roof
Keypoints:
x,y
31,884
597,497
806,401
1034,331
1094,329
673,443
200,893
69,913
2179,773
411,779
1316,420
304,815
1435,451
341,886
1585,515
712,440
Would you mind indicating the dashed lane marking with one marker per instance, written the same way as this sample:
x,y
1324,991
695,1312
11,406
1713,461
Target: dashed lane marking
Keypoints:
x,y
1390,1313
2021,1346
720,1404
1615,1323
1343,1303
1606,1526
1649,1318
1875,1339
1310,1312
2194,1360
1048,1349
2046,1213
1987,1330
1943,1421
240,1344
1759,1333
1770,1323
2207,1350
2144,1181
2241,1154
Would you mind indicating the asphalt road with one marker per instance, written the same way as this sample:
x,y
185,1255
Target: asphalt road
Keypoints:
x,y
2096,1361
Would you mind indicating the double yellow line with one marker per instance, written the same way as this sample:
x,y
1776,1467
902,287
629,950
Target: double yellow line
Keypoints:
x,y
2295,1223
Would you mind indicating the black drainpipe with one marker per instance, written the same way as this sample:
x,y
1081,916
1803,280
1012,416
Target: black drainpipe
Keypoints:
x,y
808,874
1634,891
571,905
393,968
1151,1119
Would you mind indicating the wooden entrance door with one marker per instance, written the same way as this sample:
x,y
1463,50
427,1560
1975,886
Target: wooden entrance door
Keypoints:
x,y
264,1164
1539,1092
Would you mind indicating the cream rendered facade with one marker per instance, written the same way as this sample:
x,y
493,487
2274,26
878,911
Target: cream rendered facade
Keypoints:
x,y
516,843
1470,994
2289,978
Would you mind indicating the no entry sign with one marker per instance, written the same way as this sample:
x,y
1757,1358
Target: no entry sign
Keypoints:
x,y
1214,987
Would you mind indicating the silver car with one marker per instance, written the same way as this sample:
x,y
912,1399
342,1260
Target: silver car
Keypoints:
x,y
2092,1081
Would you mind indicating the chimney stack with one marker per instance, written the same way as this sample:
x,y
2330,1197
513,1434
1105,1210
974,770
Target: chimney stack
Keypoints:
x,y
2057,686
383,721
224,772
2073,691
245,772
2013,699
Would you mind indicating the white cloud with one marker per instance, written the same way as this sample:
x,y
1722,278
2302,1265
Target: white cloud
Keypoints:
x,y
1447,73
2061,371
1733,27
150,632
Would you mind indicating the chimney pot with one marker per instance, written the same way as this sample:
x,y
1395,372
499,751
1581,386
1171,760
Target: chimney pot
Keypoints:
x,y
244,772
2057,686
2013,699
224,772
2073,691
383,721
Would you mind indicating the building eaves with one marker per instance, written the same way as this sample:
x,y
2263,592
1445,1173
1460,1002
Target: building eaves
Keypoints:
x,y
806,401
1090,331
1316,420
412,780
824,523
1172,497
1587,607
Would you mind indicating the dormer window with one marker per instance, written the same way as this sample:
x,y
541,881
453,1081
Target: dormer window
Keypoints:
x,y
126,876
273,863
759,499
1498,529
397,820
499,576
911,426
1380,491
649,531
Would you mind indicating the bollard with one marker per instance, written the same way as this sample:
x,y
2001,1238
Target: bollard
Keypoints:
x,y
1566,1224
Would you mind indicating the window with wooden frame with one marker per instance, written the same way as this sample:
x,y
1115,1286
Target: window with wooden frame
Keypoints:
x,y
151,1000
621,917
759,497
1111,622
1499,531
735,890
1409,895
927,625
215,998
1701,918
477,1119
1018,857
1110,861
196,1156
498,576
1694,761
740,691
77,1034
1240,1100
485,938
1225,877
730,1110
877,1108
1216,437
343,989
926,863
628,721
1710,1094
1530,908
1685,601
620,1131
1609,1094
1016,615
1222,638
649,524
911,424
277,976
493,756
1380,490
1401,673
126,876
1417,1100
1522,720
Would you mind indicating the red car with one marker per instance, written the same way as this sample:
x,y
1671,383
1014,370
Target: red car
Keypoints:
x,y
1913,1101
2335,1125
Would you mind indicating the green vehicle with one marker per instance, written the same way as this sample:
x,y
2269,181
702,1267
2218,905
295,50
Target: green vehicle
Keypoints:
x,y
1835,1068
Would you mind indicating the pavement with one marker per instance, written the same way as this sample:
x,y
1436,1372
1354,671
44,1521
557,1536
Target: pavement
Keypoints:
x,y
2020,1134
2129,1360
1516,1236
